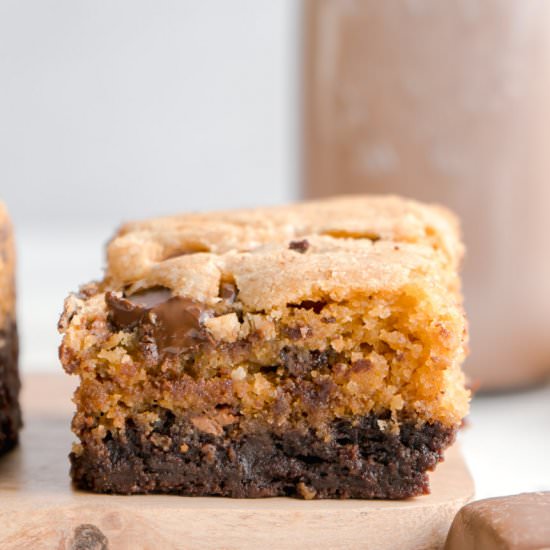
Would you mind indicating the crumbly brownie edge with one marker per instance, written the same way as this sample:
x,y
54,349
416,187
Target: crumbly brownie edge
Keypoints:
x,y
360,461
10,413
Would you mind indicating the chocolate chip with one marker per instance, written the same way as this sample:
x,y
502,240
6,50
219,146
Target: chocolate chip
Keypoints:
x,y
297,332
299,246
171,323
4,234
123,313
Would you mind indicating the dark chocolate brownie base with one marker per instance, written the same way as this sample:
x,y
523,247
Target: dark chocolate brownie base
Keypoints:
x,y
361,461
10,414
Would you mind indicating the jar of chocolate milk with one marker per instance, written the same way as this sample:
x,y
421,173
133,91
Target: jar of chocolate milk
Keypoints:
x,y
447,102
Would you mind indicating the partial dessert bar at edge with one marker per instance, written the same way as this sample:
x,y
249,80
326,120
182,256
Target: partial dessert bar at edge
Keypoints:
x,y
312,350
10,414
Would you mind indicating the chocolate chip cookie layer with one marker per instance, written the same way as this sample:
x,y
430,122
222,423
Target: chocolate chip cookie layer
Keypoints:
x,y
323,338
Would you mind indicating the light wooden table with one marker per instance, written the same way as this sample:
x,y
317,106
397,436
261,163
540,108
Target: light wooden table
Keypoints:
x,y
39,509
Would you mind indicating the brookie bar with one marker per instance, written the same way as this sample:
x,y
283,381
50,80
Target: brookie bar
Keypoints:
x,y
10,415
312,350
516,522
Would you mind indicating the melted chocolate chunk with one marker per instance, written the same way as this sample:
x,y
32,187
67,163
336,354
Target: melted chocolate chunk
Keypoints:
x,y
89,537
316,306
124,313
173,323
299,246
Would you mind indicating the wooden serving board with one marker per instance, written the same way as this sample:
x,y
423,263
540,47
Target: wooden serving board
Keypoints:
x,y
40,510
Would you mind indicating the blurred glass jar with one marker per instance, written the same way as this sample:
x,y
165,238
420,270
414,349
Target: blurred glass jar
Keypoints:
x,y
447,102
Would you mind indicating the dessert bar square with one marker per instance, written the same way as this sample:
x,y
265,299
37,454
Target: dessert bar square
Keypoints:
x,y
10,415
512,522
311,350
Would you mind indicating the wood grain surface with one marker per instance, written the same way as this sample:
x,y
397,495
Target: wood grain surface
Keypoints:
x,y
40,510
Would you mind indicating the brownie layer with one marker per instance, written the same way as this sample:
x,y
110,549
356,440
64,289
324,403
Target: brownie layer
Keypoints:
x,y
10,414
360,460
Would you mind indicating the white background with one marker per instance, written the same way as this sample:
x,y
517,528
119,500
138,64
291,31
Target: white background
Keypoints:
x,y
111,110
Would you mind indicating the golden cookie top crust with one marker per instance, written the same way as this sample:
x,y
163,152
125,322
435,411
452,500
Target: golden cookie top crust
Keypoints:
x,y
7,265
329,248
